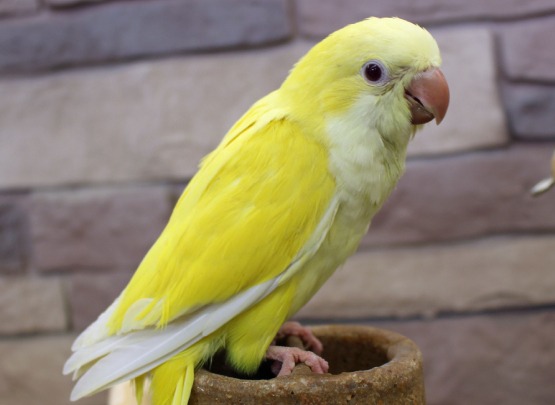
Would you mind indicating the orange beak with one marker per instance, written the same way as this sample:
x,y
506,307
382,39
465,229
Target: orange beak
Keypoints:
x,y
428,97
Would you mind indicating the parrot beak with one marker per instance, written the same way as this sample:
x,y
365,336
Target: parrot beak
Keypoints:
x,y
428,97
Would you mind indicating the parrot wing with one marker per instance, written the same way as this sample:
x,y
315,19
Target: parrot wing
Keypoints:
x,y
242,220
259,207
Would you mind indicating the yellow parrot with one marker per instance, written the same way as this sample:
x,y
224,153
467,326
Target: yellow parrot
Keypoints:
x,y
272,212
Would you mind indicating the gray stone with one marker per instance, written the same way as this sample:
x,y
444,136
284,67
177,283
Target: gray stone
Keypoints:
x,y
493,273
471,195
475,119
91,294
96,229
528,49
31,372
14,235
72,3
17,7
123,30
486,359
531,110
320,17
31,305
143,121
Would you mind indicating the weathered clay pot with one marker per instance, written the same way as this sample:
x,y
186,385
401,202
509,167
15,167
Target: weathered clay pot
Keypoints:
x,y
367,366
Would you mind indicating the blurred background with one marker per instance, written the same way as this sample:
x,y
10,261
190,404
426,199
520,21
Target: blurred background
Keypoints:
x,y
106,107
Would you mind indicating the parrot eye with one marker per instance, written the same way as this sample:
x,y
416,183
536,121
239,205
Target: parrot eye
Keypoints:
x,y
374,72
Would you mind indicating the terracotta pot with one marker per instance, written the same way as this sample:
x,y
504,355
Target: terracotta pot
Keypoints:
x,y
367,366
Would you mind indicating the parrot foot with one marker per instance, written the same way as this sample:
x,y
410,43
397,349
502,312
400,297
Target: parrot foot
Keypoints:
x,y
310,341
285,359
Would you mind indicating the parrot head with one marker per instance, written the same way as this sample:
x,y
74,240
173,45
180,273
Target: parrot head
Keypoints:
x,y
385,70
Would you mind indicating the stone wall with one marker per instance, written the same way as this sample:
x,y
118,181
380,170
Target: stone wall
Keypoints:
x,y
106,108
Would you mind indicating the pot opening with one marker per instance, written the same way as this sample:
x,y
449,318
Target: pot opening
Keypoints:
x,y
344,353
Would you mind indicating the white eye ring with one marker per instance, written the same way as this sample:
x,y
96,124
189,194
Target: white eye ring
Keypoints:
x,y
374,72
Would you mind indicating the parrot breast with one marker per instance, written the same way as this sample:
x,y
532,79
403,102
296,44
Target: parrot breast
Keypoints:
x,y
366,169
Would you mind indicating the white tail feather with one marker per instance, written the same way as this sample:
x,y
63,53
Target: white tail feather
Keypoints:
x,y
87,354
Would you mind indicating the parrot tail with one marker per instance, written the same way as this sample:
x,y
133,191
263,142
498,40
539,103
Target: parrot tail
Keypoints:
x,y
172,381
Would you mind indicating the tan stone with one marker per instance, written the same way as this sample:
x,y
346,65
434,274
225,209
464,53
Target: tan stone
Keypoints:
x,y
14,235
14,7
528,49
31,372
96,228
31,305
475,118
497,358
90,295
469,276
143,121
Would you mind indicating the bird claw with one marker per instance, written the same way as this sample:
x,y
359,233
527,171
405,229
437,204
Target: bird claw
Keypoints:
x,y
310,341
286,358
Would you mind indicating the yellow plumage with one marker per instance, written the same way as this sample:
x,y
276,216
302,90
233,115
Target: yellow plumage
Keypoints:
x,y
202,256
272,212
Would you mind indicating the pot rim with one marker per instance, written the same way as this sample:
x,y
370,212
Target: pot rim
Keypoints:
x,y
404,363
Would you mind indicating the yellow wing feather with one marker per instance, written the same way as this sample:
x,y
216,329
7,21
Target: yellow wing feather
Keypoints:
x,y
239,223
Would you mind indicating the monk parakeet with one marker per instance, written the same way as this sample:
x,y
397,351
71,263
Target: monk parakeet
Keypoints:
x,y
281,203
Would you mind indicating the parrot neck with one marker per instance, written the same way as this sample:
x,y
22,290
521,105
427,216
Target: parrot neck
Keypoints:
x,y
367,160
